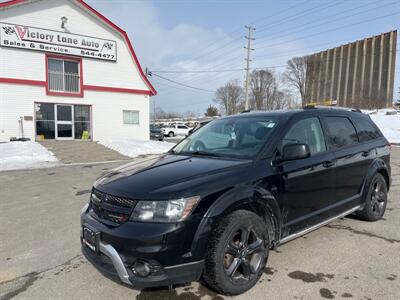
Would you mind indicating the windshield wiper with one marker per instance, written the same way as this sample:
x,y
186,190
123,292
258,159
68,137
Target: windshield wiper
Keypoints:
x,y
200,153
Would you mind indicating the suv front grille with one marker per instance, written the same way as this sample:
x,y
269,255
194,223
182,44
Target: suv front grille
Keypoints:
x,y
111,208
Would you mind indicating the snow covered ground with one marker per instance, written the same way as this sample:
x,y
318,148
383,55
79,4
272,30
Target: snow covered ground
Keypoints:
x,y
388,124
133,148
25,155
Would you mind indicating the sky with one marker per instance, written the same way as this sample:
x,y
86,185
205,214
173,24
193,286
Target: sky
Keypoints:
x,y
202,35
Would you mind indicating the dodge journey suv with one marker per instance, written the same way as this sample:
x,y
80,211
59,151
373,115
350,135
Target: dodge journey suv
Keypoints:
x,y
218,202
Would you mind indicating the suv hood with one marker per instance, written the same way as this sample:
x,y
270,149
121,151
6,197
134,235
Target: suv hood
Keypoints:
x,y
143,179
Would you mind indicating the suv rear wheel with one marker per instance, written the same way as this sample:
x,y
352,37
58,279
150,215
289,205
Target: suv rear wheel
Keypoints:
x,y
375,203
237,253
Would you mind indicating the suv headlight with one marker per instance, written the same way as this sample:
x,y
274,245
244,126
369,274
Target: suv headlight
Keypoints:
x,y
170,211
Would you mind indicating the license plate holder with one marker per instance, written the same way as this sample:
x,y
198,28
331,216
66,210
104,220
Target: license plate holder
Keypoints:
x,y
91,238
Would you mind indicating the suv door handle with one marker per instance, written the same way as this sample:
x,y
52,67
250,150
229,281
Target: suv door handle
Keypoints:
x,y
328,163
365,153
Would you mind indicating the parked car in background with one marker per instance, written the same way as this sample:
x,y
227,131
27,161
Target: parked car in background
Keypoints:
x,y
221,199
156,133
173,130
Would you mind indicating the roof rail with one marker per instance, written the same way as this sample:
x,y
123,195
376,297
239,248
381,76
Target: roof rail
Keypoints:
x,y
332,107
245,111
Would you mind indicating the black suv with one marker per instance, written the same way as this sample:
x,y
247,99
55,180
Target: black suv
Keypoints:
x,y
215,204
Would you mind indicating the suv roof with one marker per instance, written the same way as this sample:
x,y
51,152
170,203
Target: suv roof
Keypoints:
x,y
290,112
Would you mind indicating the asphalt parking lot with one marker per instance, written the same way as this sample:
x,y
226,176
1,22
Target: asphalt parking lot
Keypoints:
x,y
40,254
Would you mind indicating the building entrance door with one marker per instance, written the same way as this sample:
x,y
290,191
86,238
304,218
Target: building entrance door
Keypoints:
x,y
64,122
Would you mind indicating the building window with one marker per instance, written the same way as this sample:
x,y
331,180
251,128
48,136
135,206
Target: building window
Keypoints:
x,y
45,123
63,76
82,122
131,117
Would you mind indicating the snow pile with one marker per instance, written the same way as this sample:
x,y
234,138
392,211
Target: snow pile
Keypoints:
x,y
389,124
25,155
133,148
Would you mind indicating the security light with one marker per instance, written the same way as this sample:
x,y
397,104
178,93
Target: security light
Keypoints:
x,y
63,21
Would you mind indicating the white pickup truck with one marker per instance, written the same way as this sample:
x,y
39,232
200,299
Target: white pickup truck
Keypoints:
x,y
173,130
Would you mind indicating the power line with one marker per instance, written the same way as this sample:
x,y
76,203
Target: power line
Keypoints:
x,y
330,21
257,20
238,56
330,30
311,35
237,30
182,84
197,71
296,53
297,15
235,58
294,16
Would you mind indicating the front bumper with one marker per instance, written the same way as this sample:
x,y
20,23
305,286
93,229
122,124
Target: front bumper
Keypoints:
x,y
116,261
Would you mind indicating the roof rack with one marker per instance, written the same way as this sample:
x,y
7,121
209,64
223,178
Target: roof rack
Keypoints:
x,y
332,107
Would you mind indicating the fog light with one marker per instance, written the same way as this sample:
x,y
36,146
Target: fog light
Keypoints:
x,y
141,268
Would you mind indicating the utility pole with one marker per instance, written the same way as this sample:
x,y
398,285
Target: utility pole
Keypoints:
x,y
249,49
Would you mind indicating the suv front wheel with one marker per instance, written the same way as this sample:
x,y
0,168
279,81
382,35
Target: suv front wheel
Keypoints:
x,y
237,253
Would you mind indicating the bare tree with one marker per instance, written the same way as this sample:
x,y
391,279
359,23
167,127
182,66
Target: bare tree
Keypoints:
x,y
266,91
229,97
295,75
262,84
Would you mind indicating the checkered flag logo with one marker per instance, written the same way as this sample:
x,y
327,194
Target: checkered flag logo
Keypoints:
x,y
109,46
9,30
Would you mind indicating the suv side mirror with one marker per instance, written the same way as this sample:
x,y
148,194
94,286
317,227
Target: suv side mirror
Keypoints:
x,y
295,151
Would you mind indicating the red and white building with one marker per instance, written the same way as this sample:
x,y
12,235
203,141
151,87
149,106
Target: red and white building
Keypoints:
x,y
67,72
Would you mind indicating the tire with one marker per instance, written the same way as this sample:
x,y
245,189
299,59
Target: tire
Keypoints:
x,y
231,268
171,134
376,200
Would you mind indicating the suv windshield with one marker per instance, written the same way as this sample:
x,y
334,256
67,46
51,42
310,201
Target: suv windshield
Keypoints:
x,y
241,137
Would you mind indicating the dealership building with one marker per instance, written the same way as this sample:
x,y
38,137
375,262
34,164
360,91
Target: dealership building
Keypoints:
x,y
67,72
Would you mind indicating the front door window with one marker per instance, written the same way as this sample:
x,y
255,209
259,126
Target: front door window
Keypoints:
x,y
64,120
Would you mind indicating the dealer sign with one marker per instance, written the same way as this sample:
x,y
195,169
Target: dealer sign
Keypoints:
x,y
31,38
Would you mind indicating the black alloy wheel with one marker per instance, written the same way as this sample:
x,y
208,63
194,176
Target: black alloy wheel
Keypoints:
x,y
237,253
244,254
376,200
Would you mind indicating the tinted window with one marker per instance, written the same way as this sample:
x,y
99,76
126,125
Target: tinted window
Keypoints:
x,y
366,130
44,111
341,132
182,127
307,131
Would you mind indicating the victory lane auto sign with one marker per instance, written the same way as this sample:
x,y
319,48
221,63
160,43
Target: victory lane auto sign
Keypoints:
x,y
31,38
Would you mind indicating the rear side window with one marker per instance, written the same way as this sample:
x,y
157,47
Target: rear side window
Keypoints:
x,y
307,131
366,130
341,132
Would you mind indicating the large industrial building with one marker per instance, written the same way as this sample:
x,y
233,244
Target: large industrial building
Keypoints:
x,y
67,72
359,74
